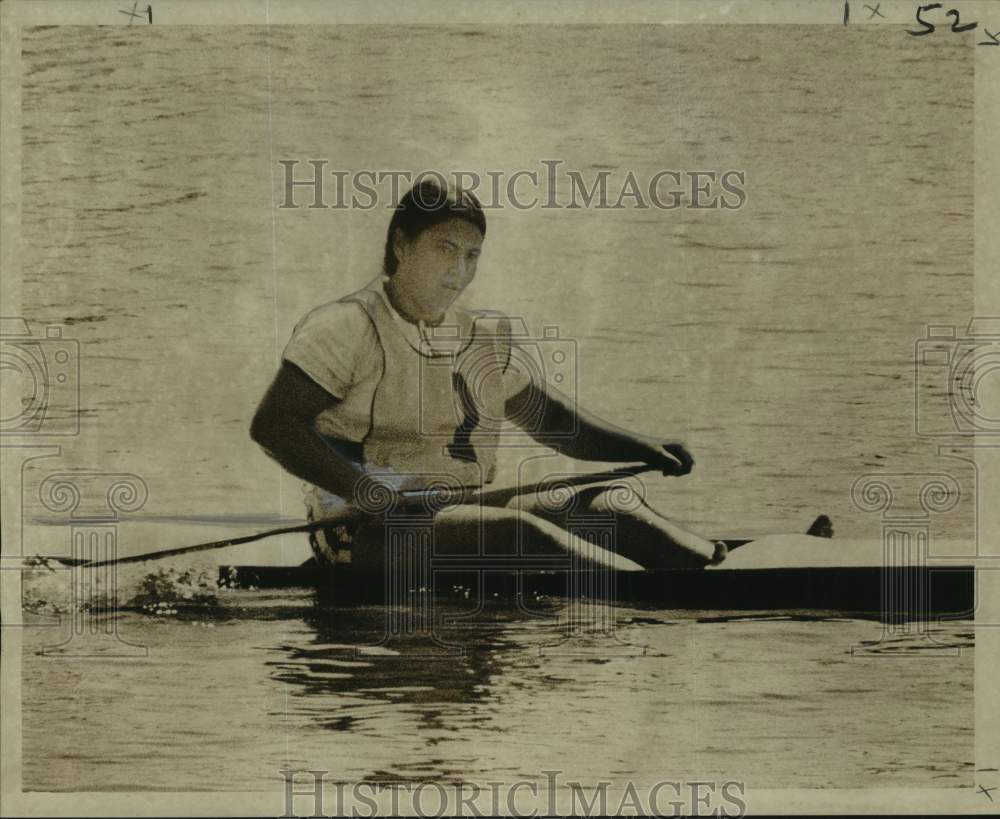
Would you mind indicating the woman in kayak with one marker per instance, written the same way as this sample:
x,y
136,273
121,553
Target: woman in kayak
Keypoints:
x,y
394,387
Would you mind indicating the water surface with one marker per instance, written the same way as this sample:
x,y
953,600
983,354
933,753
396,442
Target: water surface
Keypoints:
x,y
810,700
777,340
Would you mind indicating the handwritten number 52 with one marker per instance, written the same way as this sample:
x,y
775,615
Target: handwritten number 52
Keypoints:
x,y
929,27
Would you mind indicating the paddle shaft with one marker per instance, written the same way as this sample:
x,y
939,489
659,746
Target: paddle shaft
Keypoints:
x,y
490,497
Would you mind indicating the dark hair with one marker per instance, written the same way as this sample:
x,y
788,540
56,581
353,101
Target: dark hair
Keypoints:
x,y
427,204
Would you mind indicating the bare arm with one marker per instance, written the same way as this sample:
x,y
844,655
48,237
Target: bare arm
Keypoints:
x,y
550,416
284,426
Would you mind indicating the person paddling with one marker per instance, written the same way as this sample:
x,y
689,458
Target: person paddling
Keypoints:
x,y
370,396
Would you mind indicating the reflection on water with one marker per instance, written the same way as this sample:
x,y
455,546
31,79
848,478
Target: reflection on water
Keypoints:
x,y
348,677
278,683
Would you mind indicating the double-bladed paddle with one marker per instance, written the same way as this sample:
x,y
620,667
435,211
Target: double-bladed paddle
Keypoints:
x,y
490,497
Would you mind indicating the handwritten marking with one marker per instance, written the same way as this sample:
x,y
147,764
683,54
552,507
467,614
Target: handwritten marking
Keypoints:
x,y
133,14
986,792
130,14
875,10
928,27
993,38
847,11
955,26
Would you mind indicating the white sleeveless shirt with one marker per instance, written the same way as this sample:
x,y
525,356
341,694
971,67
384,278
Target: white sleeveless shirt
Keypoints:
x,y
338,346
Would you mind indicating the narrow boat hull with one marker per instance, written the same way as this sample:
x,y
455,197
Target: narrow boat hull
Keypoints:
x,y
772,573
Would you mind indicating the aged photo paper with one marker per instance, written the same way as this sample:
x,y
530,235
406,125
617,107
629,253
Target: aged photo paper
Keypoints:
x,y
499,408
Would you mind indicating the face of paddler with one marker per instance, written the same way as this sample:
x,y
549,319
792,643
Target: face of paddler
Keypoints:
x,y
434,267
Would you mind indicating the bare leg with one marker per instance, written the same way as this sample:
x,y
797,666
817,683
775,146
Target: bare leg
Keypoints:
x,y
494,532
642,534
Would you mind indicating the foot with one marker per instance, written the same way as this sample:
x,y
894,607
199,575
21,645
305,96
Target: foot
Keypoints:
x,y
821,527
721,550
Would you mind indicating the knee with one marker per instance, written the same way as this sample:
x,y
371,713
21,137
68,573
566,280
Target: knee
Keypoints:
x,y
516,520
626,496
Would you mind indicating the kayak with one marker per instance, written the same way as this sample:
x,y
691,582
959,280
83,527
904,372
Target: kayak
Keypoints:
x,y
774,573
777,572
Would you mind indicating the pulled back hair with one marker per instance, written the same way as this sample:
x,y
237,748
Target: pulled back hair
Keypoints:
x,y
427,204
